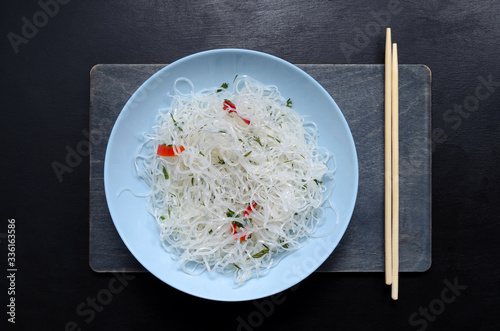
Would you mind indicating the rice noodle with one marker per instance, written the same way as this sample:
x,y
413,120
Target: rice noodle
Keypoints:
x,y
228,165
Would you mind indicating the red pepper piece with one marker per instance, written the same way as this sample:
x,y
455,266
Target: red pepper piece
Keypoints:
x,y
229,105
245,214
169,150
233,232
231,108
249,209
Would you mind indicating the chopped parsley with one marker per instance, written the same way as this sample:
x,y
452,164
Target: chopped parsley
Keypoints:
x,y
238,224
318,182
281,240
230,213
235,78
175,122
274,138
261,253
289,103
257,139
165,173
224,86
247,154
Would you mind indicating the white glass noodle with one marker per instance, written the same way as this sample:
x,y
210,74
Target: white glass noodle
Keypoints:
x,y
242,194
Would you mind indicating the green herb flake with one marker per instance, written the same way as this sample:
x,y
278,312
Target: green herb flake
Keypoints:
x,y
230,213
235,263
261,253
281,241
224,86
162,218
221,161
289,103
274,138
210,232
235,78
165,173
247,154
238,224
318,182
192,181
175,122
201,153
257,139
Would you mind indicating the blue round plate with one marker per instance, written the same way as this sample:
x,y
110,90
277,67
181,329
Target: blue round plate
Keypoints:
x,y
138,229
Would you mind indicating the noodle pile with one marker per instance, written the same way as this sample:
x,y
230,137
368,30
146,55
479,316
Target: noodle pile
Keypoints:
x,y
239,196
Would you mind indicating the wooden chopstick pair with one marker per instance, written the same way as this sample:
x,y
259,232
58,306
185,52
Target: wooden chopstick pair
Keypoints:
x,y
391,166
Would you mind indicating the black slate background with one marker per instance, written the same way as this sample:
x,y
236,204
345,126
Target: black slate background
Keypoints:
x,y
44,102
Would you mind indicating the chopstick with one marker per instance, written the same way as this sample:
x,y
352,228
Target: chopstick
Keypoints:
x,y
391,161
388,158
395,172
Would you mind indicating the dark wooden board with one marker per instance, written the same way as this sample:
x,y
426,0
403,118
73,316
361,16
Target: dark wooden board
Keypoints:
x,y
359,92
